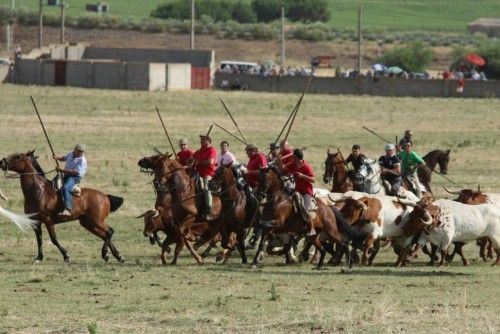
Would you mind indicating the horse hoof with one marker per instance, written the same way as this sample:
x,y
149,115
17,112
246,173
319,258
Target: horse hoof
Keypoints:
x,y
219,257
244,261
121,259
317,268
254,266
67,259
105,258
200,263
38,259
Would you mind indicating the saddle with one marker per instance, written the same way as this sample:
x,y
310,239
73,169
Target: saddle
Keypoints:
x,y
298,207
57,185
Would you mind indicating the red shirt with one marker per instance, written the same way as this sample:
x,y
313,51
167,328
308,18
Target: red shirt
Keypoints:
x,y
183,156
302,186
205,154
256,161
285,152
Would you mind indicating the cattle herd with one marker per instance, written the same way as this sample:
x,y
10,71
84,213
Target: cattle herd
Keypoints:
x,y
344,222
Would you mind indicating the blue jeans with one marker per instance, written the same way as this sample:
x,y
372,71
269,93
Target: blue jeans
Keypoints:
x,y
67,190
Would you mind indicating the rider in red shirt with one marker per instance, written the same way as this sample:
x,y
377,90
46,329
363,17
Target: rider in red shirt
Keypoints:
x,y
304,179
185,153
286,152
256,161
204,164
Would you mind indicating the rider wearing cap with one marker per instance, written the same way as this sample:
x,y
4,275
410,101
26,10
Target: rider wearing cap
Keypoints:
x,y
390,165
304,178
74,170
273,152
203,163
185,153
406,138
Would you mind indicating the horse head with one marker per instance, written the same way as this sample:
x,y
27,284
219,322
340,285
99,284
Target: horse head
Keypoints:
x,y
367,177
147,164
330,166
443,161
18,162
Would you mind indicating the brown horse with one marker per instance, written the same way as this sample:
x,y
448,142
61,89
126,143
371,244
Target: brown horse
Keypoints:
x,y
171,178
238,207
279,216
91,208
335,170
437,157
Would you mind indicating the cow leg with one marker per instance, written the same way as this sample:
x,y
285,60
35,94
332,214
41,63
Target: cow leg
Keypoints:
x,y
376,248
53,238
444,253
368,250
165,249
458,250
39,242
489,247
179,243
497,262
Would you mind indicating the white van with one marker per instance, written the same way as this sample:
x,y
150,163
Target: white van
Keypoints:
x,y
244,67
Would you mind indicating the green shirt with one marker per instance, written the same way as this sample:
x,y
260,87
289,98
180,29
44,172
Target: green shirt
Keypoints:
x,y
409,161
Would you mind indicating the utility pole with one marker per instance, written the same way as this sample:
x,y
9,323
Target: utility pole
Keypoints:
x,y
360,39
10,28
192,25
282,36
63,16
40,23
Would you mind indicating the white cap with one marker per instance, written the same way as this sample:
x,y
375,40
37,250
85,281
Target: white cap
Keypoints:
x,y
389,147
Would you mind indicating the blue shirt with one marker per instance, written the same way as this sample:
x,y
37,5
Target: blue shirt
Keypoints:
x,y
76,164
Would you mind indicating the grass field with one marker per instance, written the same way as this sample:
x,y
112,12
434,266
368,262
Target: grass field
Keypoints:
x,y
384,15
141,296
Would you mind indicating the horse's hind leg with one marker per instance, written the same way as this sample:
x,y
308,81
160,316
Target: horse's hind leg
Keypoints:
x,y
114,251
39,241
241,246
53,237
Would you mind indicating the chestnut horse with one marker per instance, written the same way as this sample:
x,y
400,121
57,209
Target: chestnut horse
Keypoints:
x,y
91,208
279,216
171,178
335,170
438,157
238,207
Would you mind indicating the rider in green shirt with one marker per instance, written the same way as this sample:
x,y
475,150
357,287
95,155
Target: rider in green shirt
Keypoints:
x,y
409,162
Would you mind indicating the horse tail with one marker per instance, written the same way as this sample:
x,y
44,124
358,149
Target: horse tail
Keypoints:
x,y
357,236
115,202
24,222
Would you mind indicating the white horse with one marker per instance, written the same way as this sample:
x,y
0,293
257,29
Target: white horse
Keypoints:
x,y
369,179
24,222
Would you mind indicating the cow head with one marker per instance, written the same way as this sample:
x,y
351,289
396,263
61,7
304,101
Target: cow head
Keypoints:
x,y
469,196
423,218
152,221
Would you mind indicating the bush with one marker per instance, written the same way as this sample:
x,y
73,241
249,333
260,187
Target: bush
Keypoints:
x,y
175,9
243,13
490,51
308,10
413,58
267,10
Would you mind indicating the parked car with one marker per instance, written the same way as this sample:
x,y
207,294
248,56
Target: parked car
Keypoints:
x,y
243,67
5,61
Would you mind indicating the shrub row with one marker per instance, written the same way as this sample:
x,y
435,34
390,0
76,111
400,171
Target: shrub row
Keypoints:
x,y
317,31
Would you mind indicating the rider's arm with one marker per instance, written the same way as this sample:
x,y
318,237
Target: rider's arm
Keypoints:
x,y
308,178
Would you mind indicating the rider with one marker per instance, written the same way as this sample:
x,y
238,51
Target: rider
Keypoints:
x,y
406,138
409,161
356,158
286,152
273,152
225,158
74,170
304,179
204,164
391,169
256,160
185,153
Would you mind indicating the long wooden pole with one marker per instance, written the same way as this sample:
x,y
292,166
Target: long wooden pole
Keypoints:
x,y
231,116
44,131
229,133
166,132
299,103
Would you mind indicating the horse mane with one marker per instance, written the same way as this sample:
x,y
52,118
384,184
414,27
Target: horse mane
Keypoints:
x,y
37,166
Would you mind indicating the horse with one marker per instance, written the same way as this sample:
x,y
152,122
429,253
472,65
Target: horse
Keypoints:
x,y
438,157
238,207
368,179
91,208
335,170
279,216
171,178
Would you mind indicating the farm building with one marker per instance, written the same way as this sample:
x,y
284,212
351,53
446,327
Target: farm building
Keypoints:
x,y
115,68
489,26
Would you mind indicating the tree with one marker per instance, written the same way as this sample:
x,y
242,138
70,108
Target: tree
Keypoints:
x,y
413,58
308,10
267,10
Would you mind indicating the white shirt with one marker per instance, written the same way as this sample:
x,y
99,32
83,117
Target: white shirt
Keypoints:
x,y
76,164
225,159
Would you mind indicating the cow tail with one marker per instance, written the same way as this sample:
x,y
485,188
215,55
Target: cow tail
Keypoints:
x,y
355,235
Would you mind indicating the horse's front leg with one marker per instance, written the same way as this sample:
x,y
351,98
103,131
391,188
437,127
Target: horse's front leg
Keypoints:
x,y
53,237
260,251
39,241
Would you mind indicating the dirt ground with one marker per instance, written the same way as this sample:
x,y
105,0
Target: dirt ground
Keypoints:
x,y
297,52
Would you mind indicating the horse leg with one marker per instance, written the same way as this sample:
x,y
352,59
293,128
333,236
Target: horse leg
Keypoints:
x,y
196,256
97,230
320,246
241,246
260,251
39,241
179,243
52,234
114,251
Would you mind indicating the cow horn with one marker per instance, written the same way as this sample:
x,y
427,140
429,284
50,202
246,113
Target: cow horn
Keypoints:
x,y
428,219
340,200
2,196
478,188
407,202
363,205
451,192
155,213
142,215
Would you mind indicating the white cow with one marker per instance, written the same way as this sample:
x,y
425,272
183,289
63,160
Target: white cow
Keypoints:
x,y
447,221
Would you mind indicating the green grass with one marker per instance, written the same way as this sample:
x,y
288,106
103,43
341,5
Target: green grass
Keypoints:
x,y
141,296
383,15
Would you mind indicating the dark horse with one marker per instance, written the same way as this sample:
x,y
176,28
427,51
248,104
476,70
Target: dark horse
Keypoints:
x,y
238,207
170,178
335,170
91,208
438,157
279,216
